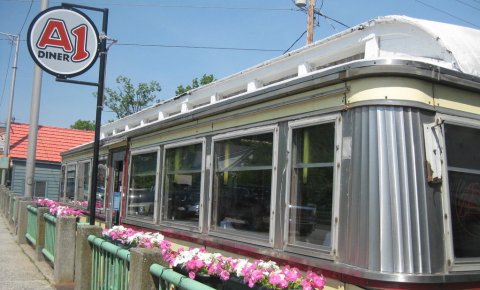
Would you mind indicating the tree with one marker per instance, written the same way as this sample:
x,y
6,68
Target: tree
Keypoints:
x,y
86,125
205,79
127,99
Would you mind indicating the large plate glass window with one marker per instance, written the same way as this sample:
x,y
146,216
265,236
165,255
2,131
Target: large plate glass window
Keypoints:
x,y
463,163
183,184
242,185
310,199
142,185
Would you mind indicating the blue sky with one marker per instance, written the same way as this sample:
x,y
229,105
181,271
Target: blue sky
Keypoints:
x,y
268,27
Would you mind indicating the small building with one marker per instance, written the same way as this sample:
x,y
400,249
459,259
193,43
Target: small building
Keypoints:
x,y
50,142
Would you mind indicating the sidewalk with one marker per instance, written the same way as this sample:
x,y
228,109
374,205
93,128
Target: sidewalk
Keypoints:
x,y
18,268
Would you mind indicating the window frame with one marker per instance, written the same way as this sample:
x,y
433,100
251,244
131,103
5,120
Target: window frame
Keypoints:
x,y
132,153
67,165
201,216
274,129
79,164
316,251
35,189
454,264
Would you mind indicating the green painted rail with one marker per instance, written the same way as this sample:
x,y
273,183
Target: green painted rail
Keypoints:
x,y
110,265
31,234
169,279
50,237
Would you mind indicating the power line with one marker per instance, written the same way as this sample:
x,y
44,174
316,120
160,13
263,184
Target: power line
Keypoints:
x,y
26,17
467,4
171,6
6,74
295,42
445,12
197,47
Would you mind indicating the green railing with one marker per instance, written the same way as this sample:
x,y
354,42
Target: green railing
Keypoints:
x,y
50,236
31,234
110,265
169,279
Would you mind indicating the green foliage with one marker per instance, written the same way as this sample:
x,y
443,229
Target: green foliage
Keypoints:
x,y
86,125
127,99
205,79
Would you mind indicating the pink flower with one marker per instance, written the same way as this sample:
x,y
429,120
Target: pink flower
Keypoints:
x,y
224,275
278,279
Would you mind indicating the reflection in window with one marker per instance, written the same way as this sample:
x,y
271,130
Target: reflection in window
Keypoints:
x,y
71,172
310,208
40,189
463,161
62,181
183,174
83,181
101,183
242,184
141,194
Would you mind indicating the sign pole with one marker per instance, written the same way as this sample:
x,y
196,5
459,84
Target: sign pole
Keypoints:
x,y
98,118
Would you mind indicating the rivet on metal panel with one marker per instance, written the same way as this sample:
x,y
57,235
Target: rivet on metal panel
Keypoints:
x,y
445,216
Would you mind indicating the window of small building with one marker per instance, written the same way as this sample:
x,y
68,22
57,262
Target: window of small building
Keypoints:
x,y
183,184
70,188
463,163
142,185
310,200
242,186
40,189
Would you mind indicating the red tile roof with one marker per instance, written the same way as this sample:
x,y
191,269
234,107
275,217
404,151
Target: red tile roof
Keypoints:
x,y
51,141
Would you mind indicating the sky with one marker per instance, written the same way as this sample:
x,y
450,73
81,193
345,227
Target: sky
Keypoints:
x,y
174,41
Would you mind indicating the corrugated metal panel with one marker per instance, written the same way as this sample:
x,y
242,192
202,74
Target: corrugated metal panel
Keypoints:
x,y
391,219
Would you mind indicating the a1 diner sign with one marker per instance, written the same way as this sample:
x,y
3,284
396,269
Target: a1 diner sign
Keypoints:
x,y
63,42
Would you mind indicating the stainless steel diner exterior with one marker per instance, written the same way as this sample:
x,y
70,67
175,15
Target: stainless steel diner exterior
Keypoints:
x,y
356,156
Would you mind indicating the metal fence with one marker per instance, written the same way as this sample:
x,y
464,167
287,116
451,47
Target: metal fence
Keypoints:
x,y
168,279
50,237
110,265
31,234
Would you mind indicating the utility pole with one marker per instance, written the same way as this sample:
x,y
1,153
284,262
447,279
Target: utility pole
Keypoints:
x,y
33,130
310,21
14,38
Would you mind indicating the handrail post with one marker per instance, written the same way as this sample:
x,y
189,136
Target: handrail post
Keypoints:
x,y
22,220
140,261
83,256
40,233
64,263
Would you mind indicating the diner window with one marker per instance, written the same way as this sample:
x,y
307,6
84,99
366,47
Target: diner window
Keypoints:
x,y
83,181
101,183
71,173
183,184
312,174
463,163
62,180
142,186
242,184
